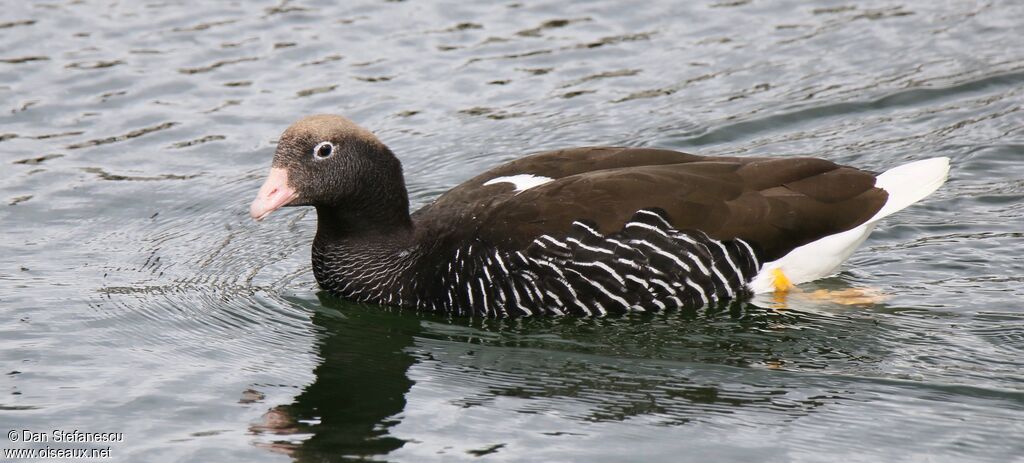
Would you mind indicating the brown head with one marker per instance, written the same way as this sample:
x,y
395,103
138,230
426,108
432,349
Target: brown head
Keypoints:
x,y
330,162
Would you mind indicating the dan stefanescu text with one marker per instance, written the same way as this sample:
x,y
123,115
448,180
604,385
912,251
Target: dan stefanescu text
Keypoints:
x,y
58,435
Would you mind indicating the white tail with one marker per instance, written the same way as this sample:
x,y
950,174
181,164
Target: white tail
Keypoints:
x,y
906,185
910,183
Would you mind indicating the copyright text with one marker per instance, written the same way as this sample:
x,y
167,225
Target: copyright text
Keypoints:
x,y
59,435
88,443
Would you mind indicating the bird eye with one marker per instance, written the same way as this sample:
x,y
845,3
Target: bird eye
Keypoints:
x,y
323,150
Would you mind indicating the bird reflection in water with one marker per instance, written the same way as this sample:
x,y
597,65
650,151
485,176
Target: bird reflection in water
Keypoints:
x,y
362,384
349,408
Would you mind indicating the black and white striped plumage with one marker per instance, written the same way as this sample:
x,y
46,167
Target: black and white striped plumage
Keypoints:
x,y
647,266
588,231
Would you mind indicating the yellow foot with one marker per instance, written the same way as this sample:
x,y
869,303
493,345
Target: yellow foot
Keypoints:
x,y
849,296
786,290
782,287
781,281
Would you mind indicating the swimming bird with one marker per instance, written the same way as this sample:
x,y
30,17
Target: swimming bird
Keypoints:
x,y
582,231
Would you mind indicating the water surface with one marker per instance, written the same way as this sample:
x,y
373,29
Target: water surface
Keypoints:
x,y
136,295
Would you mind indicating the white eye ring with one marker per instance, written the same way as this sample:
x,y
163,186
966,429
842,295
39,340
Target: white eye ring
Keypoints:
x,y
322,148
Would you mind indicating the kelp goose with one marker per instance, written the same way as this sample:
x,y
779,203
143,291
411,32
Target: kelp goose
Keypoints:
x,y
583,231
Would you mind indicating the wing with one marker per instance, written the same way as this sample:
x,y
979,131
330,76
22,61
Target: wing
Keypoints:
x,y
776,204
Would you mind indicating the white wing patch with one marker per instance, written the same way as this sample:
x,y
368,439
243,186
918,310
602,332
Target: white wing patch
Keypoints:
x,y
522,182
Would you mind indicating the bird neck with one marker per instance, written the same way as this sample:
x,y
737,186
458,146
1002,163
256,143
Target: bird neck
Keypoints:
x,y
354,220
363,256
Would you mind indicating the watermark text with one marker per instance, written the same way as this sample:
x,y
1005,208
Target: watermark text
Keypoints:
x,y
30,439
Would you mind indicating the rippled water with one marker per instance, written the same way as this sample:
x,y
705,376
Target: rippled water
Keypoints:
x,y
136,296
